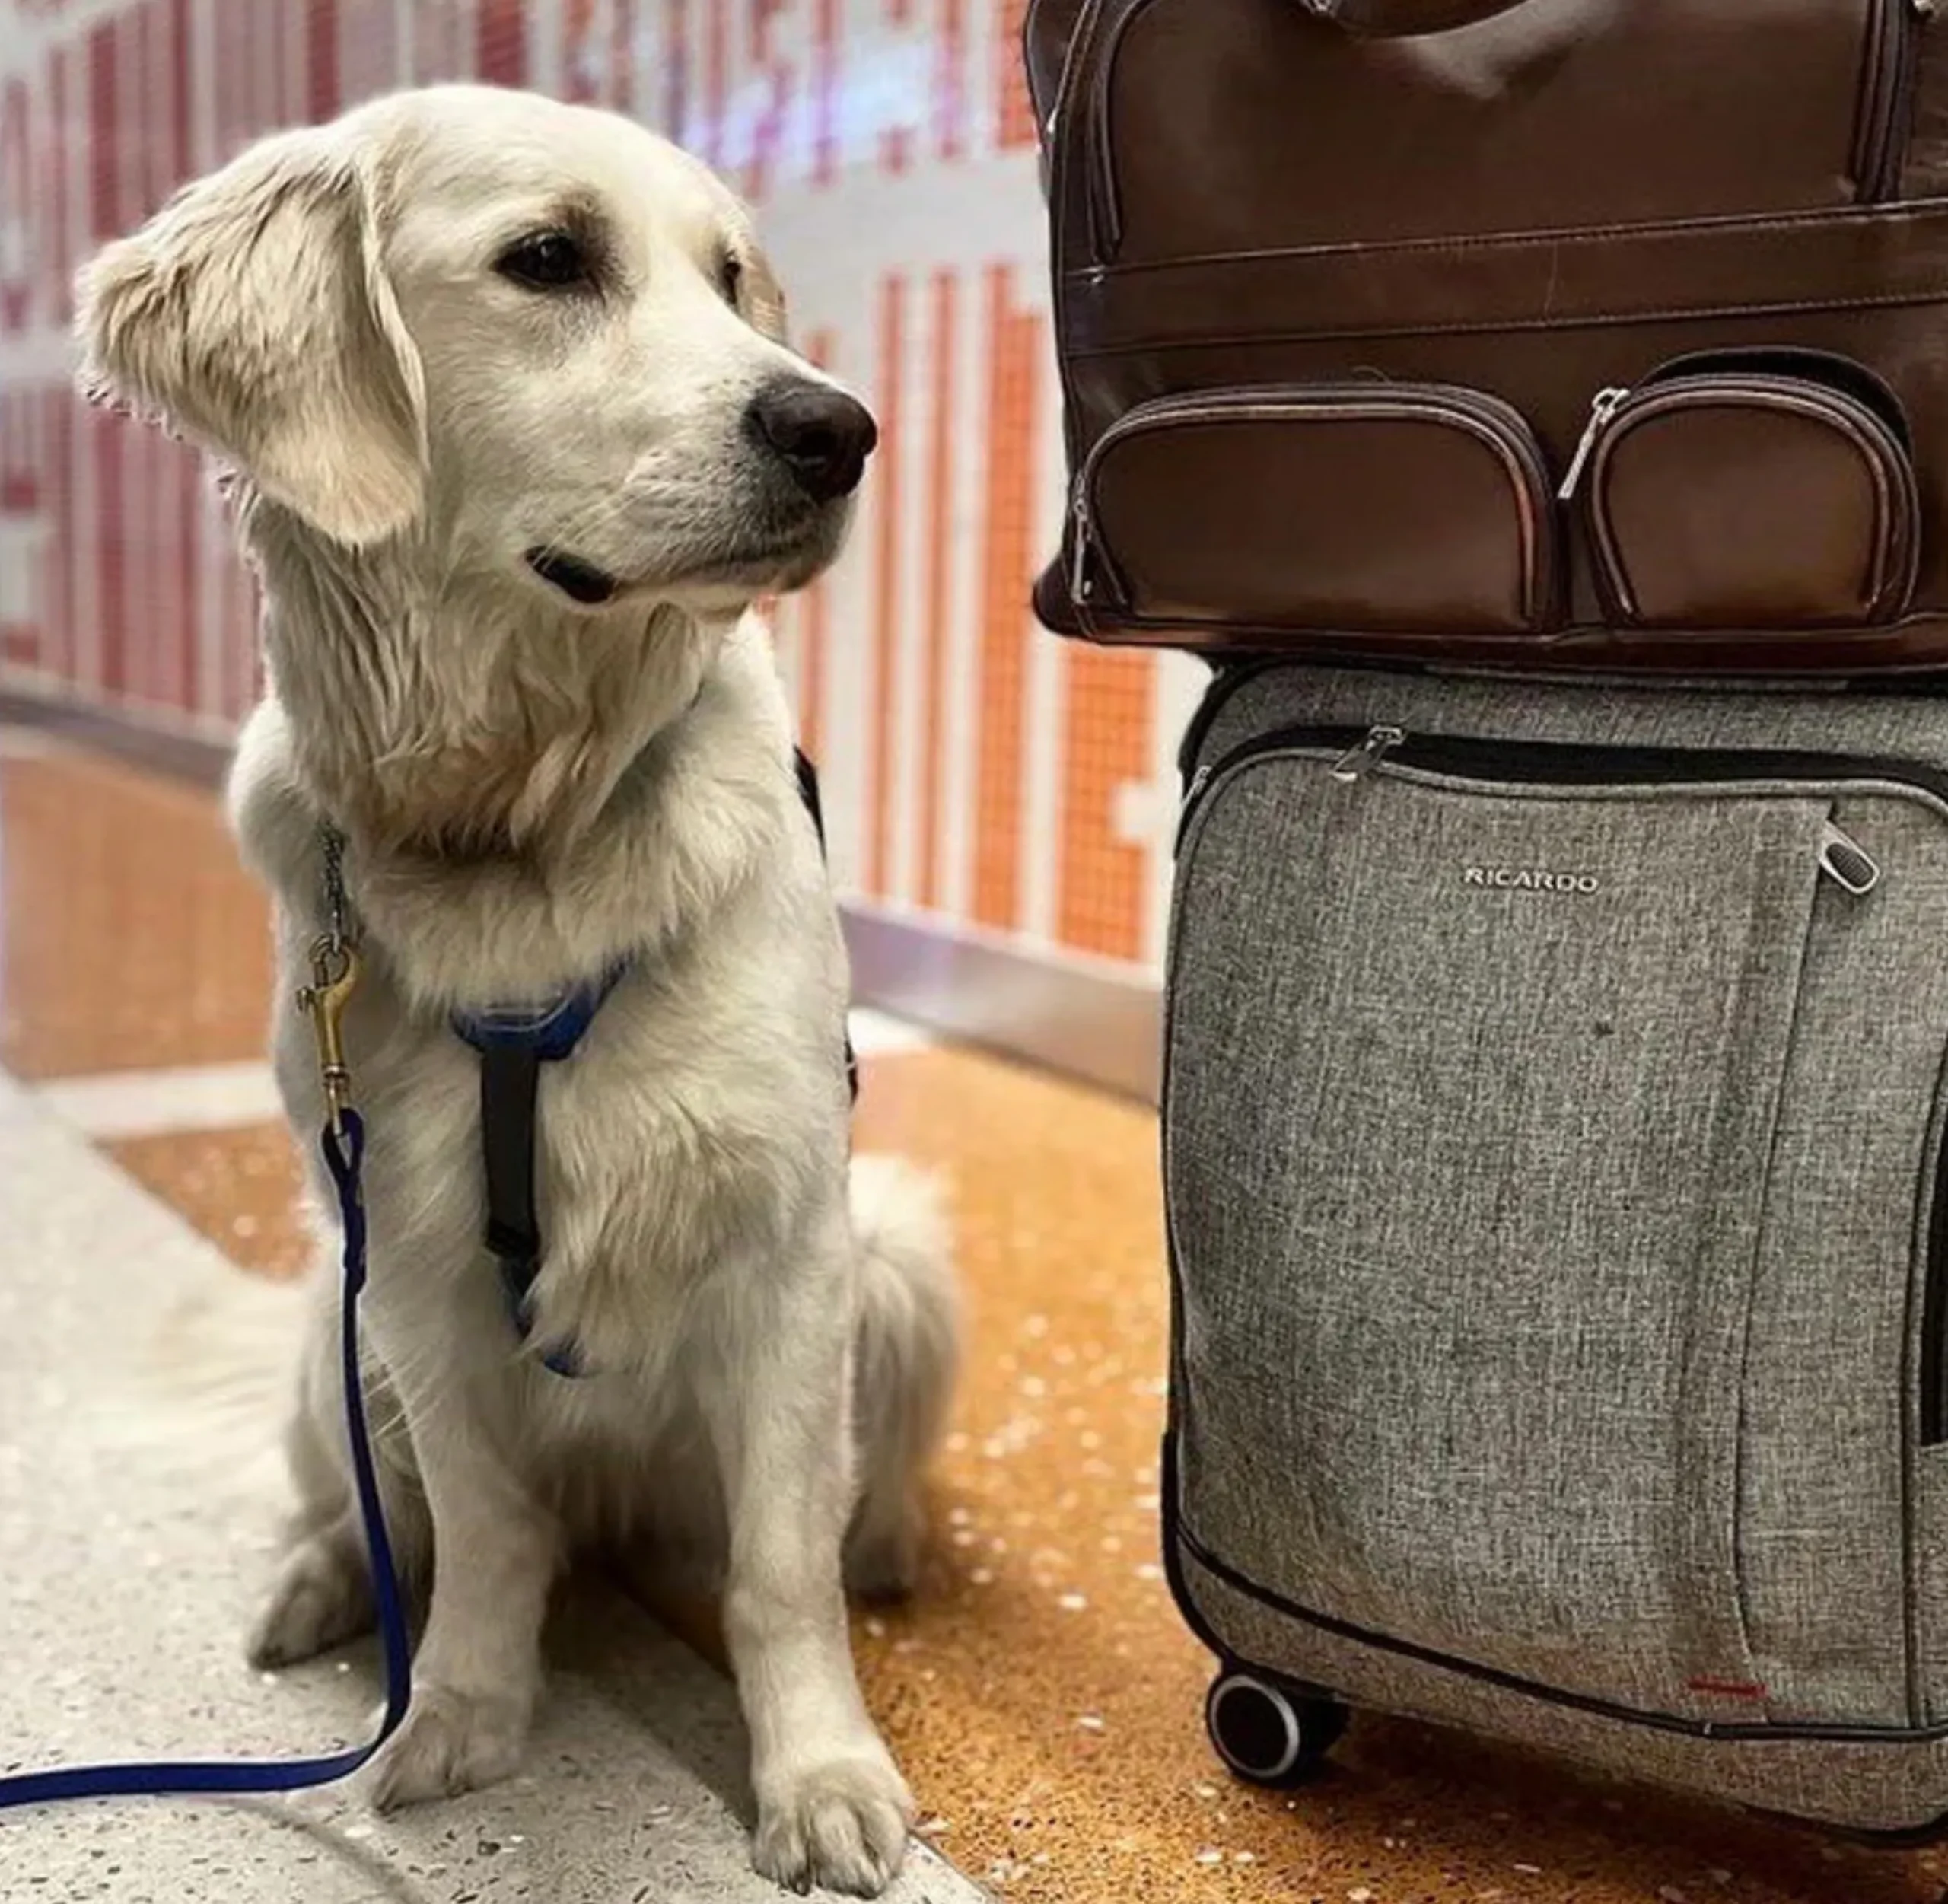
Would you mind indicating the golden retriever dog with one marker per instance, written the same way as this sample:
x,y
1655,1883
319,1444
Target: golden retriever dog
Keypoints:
x,y
517,442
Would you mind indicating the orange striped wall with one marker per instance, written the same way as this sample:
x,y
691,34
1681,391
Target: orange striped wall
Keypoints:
x,y
977,773
1014,362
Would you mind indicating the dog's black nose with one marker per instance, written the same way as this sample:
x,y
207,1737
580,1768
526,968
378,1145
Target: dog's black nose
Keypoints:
x,y
822,435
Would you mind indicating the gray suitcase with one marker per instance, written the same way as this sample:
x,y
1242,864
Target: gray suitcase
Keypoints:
x,y
1553,1103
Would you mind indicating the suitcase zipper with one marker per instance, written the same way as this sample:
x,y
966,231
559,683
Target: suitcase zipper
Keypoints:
x,y
1847,863
1561,763
1354,754
1357,762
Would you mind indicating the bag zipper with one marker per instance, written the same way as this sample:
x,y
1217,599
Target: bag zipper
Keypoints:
x,y
1354,754
1604,406
1682,376
1105,209
1888,105
1497,423
1888,109
1620,408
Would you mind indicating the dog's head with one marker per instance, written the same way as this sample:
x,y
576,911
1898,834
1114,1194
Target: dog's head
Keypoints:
x,y
535,334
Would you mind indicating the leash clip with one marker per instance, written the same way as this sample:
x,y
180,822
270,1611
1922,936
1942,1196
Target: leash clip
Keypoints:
x,y
334,976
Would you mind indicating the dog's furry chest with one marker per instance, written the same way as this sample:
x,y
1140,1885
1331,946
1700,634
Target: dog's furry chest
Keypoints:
x,y
699,1128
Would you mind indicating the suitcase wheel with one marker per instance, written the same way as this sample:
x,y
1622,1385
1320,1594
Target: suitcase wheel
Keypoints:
x,y
1268,1734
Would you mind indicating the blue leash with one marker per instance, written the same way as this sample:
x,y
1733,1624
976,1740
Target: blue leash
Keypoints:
x,y
343,1143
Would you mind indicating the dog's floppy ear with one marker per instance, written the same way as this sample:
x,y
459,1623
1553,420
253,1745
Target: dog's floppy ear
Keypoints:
x,y
252,312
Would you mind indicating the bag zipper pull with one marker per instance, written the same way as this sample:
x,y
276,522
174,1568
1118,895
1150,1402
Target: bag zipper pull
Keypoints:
x,y
1080,586
1605,407
1357,762
1847,863
1192,795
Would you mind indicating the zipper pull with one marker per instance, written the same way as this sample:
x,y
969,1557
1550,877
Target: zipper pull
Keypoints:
x,y
1601,411
1192,795
1847,863
1357,762
1080,586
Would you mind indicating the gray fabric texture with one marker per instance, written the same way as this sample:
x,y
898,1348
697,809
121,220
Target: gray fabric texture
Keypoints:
x,y
1552,1249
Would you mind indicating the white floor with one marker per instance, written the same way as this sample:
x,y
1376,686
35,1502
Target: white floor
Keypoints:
x,y
124,1586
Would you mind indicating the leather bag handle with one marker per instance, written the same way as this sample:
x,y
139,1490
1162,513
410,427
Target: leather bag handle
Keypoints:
x,y
1405,19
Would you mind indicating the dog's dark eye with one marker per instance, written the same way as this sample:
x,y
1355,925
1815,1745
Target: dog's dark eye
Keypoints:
x,y
730,277
548,261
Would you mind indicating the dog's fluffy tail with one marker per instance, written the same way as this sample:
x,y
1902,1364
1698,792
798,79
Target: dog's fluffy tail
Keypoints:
x,y
214,1387
908,1354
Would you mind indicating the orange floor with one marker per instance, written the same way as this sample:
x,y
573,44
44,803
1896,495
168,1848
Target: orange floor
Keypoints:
x,y
1041,1693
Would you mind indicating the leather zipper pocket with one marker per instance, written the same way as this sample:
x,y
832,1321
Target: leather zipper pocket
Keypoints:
x,y
1291,510
1762,490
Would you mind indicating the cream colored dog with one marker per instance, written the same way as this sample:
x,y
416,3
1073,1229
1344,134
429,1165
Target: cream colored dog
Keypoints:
x,y
518,442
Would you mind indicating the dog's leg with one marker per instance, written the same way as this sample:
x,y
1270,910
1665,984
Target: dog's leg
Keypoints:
x,y
477,1671
832,1809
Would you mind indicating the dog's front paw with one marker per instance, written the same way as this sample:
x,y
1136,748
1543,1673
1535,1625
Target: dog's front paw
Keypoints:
x,y
840,1825
323,1598
450,1742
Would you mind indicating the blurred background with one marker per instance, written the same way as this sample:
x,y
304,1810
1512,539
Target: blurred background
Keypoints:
x,y
999,802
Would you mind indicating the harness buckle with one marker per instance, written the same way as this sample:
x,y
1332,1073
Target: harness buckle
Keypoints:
x,y
334,976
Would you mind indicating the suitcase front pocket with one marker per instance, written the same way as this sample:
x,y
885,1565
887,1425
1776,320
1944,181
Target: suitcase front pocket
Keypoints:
x,y
1495,1150
1289,512
1767,491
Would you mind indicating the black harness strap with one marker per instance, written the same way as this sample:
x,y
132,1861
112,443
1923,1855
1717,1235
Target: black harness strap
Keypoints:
x,y
510,1084
808,791
513,1045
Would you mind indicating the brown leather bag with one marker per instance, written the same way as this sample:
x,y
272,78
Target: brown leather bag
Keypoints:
x,y
1534,333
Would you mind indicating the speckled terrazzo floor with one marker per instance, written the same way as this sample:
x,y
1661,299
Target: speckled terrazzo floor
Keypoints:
x,y
128,1567
1042,1692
